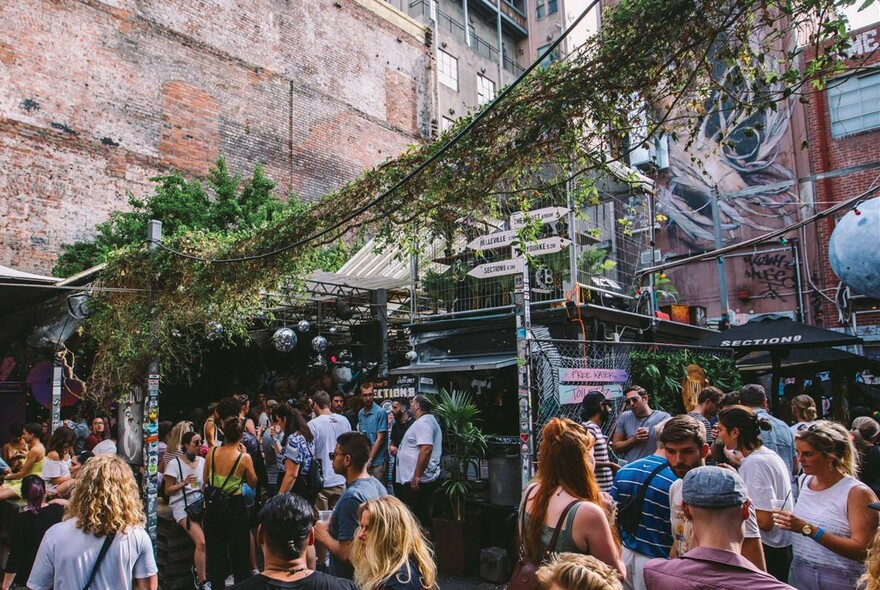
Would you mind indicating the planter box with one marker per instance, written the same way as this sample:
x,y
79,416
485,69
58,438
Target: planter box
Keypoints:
x,y
457,545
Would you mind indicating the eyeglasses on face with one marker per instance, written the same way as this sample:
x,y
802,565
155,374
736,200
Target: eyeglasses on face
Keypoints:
x,y
630,401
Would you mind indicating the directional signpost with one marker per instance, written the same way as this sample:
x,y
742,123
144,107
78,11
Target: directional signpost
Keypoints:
x,y
546,215
497,269
518,266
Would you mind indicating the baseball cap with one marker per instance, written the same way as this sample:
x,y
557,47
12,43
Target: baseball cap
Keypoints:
x,y
713,487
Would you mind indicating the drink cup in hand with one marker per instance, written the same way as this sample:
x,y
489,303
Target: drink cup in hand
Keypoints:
x,y
642,433
324,515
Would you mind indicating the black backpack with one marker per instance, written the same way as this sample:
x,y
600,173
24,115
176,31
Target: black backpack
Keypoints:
x,y
629,514
217,498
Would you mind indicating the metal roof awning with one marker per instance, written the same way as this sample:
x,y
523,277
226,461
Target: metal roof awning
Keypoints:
x,y
482,363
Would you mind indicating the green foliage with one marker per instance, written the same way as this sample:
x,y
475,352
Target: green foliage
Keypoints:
x,y
661,373
182,206
560,127
464,445
594,262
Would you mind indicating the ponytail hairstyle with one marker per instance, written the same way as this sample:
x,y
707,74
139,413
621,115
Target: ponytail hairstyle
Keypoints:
x,y
864,431
748,423
565,460
805,406
832,440
233,430
33,491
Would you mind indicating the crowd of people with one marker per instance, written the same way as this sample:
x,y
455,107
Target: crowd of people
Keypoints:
x,y
725,497
334,498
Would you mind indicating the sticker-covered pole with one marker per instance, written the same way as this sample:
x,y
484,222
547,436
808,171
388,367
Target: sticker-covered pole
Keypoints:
x,y
521,297
151,411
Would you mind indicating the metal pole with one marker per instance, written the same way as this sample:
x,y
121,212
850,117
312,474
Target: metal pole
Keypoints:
x,y
500,49
467,27
151,410
799,287
652,241
56,391
719,242
521,299
572,235
380,305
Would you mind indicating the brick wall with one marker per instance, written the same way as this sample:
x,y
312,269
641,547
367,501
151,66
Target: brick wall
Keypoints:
x,y
98,96
828,154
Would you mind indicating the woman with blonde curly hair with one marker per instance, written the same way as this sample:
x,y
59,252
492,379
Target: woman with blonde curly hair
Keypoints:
x,y
832,520
574,571
870,580
102,538
565,478
389,551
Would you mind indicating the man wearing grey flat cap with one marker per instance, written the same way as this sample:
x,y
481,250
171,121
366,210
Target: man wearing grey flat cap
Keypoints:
x,y
715,501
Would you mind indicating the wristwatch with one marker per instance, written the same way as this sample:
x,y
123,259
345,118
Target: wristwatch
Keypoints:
x,y
807,531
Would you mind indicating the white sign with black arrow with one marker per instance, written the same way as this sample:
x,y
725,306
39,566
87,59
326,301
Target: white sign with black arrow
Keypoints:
x,y
497,269
545,215
500,239
547,246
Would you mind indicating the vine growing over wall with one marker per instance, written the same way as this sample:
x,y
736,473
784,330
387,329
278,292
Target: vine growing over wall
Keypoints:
x,y
561,124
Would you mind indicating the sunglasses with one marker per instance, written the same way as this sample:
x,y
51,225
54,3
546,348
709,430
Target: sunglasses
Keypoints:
x,y
631,400
195,441
333,455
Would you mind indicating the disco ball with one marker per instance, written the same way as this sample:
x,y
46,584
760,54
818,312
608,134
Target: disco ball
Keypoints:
x,y
284,339
303,326
853,260
411,355
215,330
319,343
341,374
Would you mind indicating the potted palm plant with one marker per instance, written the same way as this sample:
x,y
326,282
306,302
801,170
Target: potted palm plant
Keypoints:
x,y
457,534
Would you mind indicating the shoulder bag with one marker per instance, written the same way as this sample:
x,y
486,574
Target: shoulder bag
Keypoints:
x,y
629,514
108,540
195,511
524,575
217,498
310,485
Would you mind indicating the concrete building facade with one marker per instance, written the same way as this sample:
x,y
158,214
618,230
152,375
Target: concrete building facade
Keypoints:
x,y
100,96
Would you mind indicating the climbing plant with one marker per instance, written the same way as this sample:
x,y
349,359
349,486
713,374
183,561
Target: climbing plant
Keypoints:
x,y
562,125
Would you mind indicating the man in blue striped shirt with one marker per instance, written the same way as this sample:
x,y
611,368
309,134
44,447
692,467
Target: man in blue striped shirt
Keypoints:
x,y
653,537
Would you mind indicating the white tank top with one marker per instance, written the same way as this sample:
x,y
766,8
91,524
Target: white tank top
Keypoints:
x,y
826,509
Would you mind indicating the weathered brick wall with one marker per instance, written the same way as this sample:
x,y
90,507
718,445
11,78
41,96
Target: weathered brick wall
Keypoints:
x,y
98,96
830,154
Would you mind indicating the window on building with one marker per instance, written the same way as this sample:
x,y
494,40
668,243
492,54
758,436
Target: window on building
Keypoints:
x,y
447,70
854,104
545,8
554,56
446,124
485,89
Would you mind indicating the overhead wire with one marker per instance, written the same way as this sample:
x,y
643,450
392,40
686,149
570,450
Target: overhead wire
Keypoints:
x,y
409,176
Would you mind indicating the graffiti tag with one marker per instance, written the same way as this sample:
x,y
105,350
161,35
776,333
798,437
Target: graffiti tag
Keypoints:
x,y
773,271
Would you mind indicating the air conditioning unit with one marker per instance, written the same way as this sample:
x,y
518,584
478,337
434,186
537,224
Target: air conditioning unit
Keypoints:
x,y
645,257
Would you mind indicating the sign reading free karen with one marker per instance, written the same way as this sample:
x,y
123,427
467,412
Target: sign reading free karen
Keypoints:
x,y
609,381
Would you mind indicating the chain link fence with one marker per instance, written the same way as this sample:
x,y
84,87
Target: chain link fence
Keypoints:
x,y
600,365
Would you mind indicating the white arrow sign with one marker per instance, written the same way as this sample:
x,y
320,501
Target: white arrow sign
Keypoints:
x,y
496,240
546,215
547,246
497,269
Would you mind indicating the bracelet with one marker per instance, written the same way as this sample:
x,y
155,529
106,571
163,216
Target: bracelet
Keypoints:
x,y
818,534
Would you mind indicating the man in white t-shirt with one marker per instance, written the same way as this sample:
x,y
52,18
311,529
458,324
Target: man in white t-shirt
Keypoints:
x,y
326,427
418,459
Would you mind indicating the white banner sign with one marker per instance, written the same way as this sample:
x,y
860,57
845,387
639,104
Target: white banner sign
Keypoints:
x,y
545,215
497,269
547,246
574,394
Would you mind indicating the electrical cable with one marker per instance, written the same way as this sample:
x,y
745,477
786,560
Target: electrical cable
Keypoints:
x,y
409,176
719,252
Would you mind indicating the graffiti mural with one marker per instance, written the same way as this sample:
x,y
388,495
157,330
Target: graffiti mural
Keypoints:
x,y
755,166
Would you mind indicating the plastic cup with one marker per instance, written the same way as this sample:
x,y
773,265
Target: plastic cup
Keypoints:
x,y
324,515
777,504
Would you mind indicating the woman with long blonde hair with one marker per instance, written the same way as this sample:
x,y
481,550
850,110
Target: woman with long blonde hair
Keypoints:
x,y
565,475
389,551
573,571
175,443
102,534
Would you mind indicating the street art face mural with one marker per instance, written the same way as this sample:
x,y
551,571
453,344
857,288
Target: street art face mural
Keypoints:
x,y
756,166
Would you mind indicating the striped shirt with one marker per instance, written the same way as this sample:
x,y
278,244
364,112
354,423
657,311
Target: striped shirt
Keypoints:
x,y
653,537
604,477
